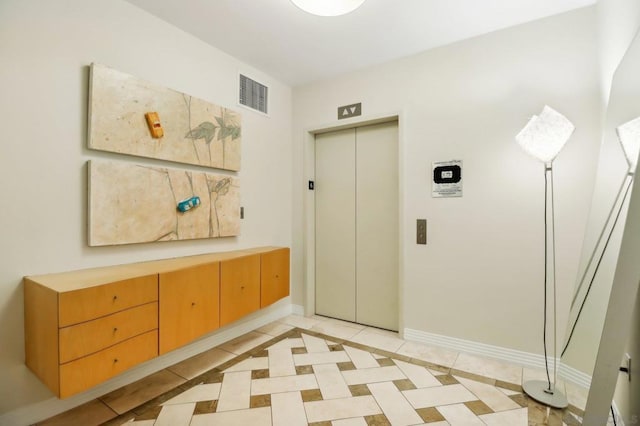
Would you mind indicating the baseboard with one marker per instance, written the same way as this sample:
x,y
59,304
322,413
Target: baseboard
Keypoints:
x,y
526,359
618,416
39,411
574,376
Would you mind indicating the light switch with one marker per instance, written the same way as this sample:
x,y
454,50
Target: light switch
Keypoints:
x,y
421,231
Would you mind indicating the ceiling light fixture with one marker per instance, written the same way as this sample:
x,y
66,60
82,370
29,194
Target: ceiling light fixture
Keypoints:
x,y
328,7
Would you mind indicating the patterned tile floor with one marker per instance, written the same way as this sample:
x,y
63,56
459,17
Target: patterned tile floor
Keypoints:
x,y
324,372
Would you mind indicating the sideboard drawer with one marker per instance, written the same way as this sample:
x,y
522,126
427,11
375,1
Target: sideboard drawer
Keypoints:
x,y
83,373
94,302
86,338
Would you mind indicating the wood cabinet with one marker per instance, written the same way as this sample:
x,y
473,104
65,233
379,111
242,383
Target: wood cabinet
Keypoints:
x,y
274,276
84,327
189,304
239,287
77,337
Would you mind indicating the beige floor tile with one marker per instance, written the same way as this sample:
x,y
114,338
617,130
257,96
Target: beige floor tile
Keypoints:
x,y
342,408
394,405
321,358
440,356
387,342
489,368
296,342
137,393
460,415
201,363
419,376
508,392
287,409
360,358
373,375
357,421
274,329
245,342
176,415
314,344
235,393
91,413
283,384
281,362
259,363
436,396
383,332
517,417
490,395
254,417
299,321
204,392
336,329
331,382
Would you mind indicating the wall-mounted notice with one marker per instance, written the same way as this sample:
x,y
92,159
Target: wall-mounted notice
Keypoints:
x,y
447,179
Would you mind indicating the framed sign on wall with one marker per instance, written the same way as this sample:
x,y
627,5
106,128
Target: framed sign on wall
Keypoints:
x,y
447,179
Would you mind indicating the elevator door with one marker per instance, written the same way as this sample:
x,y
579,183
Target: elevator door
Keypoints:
x,y
356,202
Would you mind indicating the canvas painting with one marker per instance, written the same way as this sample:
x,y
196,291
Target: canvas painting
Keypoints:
x,y
130,203
128,115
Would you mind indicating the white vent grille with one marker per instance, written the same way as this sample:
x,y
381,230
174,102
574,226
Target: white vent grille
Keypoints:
x,y
253,94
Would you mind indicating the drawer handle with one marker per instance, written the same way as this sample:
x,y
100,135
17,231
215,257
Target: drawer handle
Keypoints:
x,y
115,360
115,298
193,304
277,276
242,287
115,330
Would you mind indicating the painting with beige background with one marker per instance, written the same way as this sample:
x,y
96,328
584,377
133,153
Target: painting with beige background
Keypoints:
x,y
130,203
195,131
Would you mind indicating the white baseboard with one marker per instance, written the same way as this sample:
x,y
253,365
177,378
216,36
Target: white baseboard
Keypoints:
x,y
574,376
526,359
39,411
618,416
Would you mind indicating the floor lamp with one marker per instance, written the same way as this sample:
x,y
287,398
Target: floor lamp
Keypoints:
x,y
629,138
543,137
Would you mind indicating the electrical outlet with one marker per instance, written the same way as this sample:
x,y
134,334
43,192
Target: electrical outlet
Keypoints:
x,y
627,364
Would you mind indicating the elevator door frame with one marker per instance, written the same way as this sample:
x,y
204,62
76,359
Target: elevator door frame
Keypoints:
x,y
308,255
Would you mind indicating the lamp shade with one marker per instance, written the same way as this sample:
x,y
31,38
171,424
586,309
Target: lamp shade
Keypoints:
x,y
629,137
328,7
544,135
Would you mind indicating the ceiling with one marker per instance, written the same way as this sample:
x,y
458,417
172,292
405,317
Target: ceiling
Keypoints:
x,y
294,47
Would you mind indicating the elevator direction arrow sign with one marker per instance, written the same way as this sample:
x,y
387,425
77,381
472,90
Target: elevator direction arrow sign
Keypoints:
x,y
349,111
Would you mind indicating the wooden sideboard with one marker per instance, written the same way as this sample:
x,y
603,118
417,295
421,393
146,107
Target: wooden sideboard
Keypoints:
x,y
84,327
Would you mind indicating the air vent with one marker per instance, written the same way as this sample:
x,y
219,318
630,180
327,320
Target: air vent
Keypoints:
x,y
253,94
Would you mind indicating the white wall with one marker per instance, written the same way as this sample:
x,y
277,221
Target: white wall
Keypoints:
x,y
45,50
480,276
618,24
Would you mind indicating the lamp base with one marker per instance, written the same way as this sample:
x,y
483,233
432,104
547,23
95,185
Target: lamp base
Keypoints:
x,y
539,390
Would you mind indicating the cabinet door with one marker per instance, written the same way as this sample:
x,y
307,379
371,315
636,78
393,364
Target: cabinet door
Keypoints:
x,y
189,304
239,287
274,276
